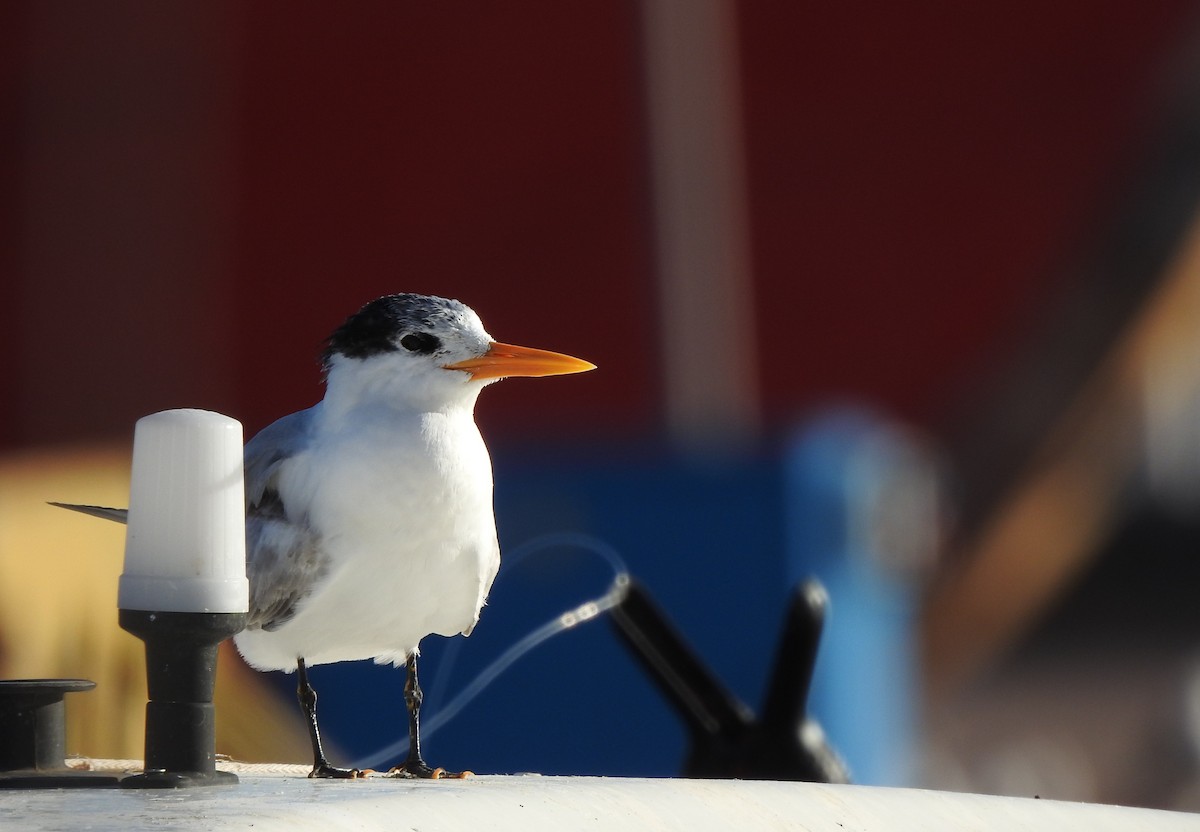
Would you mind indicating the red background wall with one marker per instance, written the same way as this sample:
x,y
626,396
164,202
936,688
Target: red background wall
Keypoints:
x,y
915,175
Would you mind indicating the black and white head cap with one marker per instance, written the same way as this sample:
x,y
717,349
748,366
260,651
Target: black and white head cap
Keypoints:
x,y
418,336
406,322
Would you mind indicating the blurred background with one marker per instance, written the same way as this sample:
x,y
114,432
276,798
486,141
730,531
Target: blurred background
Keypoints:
x,y
906,298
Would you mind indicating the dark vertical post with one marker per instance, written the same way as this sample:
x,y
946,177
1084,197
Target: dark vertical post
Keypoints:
x,y
181,669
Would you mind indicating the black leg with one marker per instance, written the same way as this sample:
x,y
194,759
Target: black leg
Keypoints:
x,y
308,704
415,765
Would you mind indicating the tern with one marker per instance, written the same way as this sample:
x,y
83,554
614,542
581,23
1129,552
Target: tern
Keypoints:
x,y
369,520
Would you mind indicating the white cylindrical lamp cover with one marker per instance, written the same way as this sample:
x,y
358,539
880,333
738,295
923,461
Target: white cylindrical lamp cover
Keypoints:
x,y
185,546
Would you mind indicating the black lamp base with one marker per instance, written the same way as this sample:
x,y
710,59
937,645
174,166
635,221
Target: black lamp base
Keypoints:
x,y
178,779
181,670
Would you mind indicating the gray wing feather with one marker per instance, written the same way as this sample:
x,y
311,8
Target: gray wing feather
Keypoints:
x,y
117,515
284,560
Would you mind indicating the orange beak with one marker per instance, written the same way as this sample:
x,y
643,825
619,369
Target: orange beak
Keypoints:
x,y
505,360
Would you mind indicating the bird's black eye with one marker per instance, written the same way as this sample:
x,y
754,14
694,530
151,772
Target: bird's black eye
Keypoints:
x,y
421,342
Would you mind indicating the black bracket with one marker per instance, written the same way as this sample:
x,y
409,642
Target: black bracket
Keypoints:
x,y
726,739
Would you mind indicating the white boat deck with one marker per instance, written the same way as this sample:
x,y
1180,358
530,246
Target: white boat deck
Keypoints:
x,y
281,798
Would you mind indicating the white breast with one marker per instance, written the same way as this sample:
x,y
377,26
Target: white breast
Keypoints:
x,y
403,507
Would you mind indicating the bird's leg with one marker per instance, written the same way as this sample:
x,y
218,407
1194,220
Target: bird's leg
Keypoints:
x,y
308,704
415,765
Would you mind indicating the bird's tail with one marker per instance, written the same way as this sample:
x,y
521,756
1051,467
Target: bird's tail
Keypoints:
x,y
117,515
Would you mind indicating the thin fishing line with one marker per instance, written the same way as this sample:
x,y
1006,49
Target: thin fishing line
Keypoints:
x,y
570,619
